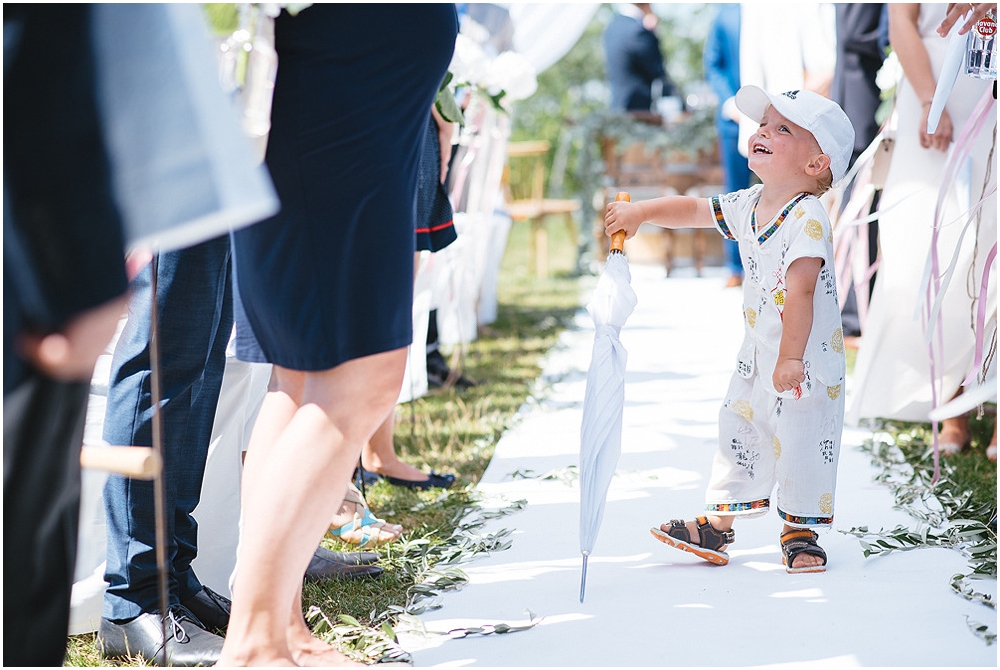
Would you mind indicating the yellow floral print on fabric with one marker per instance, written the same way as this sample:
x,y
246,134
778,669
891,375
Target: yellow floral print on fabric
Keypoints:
x,y
837,341
798,212
751,317
826,503
814,229
743,408
833,391
777,448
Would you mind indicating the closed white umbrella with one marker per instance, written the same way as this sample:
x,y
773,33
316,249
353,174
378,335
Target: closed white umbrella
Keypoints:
x,y
601,432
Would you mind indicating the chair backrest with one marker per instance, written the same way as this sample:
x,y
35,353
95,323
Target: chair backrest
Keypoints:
x,y
524,174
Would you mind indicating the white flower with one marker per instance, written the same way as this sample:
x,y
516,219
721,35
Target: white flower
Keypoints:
x,y
513,74
890,73
469,64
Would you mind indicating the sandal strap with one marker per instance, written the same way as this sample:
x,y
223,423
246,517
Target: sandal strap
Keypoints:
x,y
678,530
711,537
796,542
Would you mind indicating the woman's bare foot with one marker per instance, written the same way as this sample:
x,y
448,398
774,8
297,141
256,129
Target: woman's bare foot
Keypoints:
x,y
307,649
312,652
954,435
397,469
268,658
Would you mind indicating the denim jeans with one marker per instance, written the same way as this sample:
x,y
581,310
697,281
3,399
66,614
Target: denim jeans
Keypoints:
x,y
736,174
195,320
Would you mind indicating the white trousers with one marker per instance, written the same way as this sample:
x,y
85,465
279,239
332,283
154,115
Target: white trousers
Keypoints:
x,y
765,441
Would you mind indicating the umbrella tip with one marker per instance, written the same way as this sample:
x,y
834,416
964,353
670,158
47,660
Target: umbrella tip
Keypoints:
x,y
583,578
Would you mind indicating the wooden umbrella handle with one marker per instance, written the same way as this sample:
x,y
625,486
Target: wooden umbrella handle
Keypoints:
x,y
134,462
618,239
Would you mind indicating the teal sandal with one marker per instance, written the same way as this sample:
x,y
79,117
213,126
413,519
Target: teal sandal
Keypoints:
x,y
365,529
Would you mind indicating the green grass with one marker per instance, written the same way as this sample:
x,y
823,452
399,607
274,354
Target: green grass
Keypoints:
x,y
969,470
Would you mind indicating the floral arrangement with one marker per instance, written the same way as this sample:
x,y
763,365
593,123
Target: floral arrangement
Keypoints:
x,y
508,77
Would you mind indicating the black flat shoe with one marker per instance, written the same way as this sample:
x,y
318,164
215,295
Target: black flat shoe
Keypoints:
x,y
210,608
434,480
187,643
326,564
362,477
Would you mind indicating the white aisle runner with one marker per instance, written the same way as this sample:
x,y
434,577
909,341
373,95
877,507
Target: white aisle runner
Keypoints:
x,y
648,604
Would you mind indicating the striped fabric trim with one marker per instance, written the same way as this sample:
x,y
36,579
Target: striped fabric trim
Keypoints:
x,y
734,508
434,229
763,237
720,220
806,520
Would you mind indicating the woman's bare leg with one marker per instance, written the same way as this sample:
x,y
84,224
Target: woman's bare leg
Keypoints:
x,y
302,480
379,454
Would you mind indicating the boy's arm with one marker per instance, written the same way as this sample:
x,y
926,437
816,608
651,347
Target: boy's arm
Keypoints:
x,y
796,322
670,212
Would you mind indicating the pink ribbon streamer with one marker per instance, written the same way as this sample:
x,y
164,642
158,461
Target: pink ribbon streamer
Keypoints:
x,y
981,317
933,288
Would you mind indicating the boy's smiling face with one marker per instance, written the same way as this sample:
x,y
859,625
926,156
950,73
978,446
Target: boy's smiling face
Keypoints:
x,y
780,149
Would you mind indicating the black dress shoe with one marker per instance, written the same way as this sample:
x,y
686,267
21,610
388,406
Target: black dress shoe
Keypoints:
x,y
439,374
348,557
434,480
326,564
210,608
187,643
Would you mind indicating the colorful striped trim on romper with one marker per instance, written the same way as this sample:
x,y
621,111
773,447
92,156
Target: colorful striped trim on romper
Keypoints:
x,y
777,222
762,504
806,520
720,220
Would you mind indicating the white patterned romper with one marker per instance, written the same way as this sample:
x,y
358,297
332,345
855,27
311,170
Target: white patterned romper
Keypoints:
x,y
791,438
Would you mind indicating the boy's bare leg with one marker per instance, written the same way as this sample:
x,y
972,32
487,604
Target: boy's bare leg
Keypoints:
x,y
379,454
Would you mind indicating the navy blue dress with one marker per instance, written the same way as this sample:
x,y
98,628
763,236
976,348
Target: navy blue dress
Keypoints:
x,y
330,277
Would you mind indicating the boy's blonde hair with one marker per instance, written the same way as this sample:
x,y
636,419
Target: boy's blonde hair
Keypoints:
x,y
824,182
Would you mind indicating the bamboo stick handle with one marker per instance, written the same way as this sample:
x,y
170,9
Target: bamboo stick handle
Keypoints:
x,y
618,239
134,462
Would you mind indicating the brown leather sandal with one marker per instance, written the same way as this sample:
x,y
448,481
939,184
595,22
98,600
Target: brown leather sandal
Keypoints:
x,y
712,539
801,541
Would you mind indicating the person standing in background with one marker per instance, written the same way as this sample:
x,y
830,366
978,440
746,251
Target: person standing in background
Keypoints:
x,y
722,71
195,320
633,59
895,377
859,58
786,50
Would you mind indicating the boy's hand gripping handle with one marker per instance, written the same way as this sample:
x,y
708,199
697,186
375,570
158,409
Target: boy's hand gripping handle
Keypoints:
x,y
618,238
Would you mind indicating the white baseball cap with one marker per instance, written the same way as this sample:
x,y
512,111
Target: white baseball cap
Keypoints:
x,y
819,115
